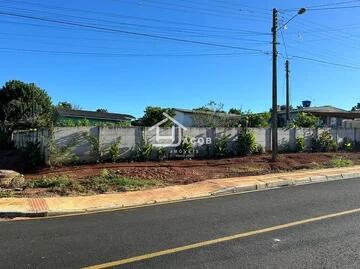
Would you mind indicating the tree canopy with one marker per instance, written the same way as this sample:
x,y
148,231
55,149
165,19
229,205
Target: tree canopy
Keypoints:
x,y
357,107
154,114
67,105
23,106
306,120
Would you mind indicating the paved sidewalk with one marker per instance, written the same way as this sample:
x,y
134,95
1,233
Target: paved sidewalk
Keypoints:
x,y
13,207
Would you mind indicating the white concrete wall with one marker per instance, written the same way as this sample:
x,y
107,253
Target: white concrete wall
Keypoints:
x,y
131,136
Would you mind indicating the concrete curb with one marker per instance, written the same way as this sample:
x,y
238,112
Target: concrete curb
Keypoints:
x,y
262,185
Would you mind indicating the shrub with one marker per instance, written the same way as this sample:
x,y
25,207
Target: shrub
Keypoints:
x,y
32,153
185,147
161,154
340,162
300,144
114,151
259,150
6,193
61,155
324,143
246,142
220,147
347,144
143,150
95,145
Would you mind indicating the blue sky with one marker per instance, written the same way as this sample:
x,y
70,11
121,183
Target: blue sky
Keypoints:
x,y
125,73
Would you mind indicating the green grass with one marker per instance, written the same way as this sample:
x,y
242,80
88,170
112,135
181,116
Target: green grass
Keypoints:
x,y
6,193
340,162
49,182
108,180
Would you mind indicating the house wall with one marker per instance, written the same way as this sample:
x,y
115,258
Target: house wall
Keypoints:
x,y
185,119
130,137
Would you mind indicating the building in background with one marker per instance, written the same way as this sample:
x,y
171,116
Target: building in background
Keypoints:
x,y
66,117
330,116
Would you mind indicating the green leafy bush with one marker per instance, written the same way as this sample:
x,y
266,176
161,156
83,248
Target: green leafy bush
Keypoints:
x,y
340,162
62,155
300,144
143,150
348,144
246,142
324,143
186,147
305,120
161,154
6,193
259,149
95,145
114,151
220,146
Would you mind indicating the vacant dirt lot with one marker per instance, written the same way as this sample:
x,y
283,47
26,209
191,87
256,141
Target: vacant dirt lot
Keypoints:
x,y
189,171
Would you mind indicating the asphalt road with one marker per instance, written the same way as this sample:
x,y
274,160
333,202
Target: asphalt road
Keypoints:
x,y
78,241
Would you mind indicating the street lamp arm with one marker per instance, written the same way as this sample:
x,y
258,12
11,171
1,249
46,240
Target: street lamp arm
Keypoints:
x,y
300,12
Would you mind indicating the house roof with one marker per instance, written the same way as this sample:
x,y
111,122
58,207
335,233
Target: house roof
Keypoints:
x,y
321,109
190,111
93,115
326,111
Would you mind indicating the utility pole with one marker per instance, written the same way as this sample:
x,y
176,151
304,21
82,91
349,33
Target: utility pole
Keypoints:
x,y
274,121
287,91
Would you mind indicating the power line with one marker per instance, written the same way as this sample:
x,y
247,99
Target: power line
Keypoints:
x,y
332,8
322,5
189,9
325,62
334,4
283,40
116,15
130,32
124,54
182,31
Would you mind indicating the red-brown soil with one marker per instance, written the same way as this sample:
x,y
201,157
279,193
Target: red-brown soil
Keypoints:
x,y
189,171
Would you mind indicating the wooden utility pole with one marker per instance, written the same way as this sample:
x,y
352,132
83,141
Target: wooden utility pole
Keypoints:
x,y
274,120
287,91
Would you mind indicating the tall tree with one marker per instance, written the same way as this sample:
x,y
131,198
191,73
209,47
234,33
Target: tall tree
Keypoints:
x,y
24,105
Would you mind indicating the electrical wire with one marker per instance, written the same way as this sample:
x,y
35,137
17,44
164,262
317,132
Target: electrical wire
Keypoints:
x,y
123,54
332,8
129,32
116,15
325,62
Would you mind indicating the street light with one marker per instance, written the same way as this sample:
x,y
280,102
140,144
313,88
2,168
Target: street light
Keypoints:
x,y
274,121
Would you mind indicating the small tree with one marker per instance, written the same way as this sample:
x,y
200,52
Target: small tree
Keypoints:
x,y
24,106
246,142
153,115
305,120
